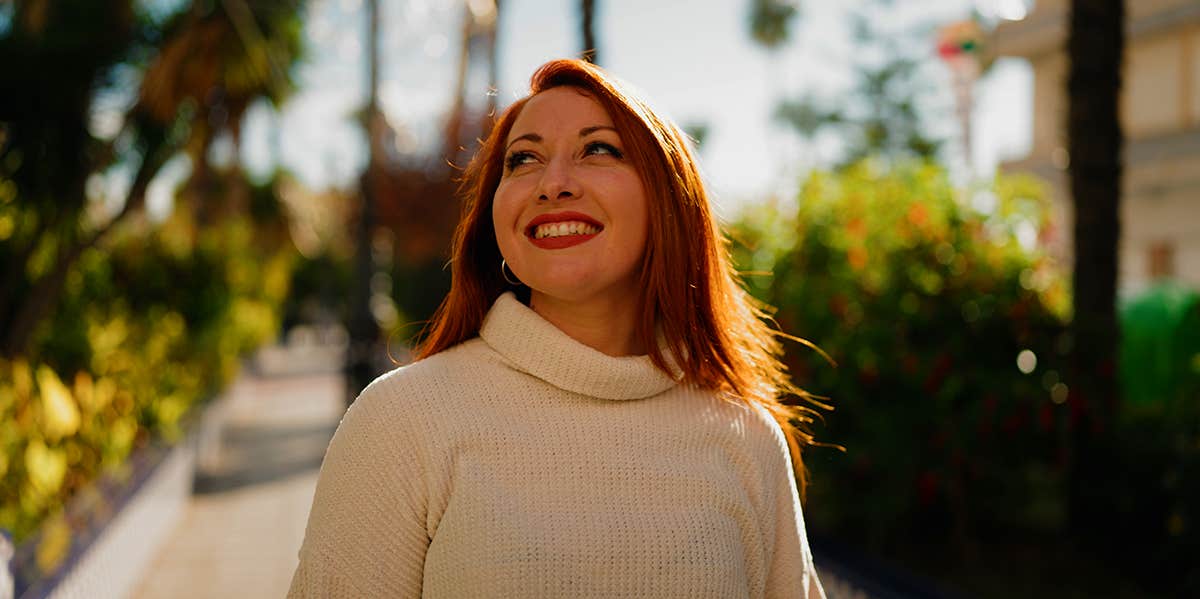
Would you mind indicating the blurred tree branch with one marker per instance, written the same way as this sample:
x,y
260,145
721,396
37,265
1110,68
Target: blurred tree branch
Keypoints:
x,y
771,21
879,116
200,68
587,24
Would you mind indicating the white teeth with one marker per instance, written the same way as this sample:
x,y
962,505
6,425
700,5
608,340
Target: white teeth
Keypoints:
x,y
561,229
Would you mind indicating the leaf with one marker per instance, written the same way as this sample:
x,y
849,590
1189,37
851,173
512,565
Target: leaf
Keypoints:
x,y
45,467
22,379
102,395
85,391
55,544
60,414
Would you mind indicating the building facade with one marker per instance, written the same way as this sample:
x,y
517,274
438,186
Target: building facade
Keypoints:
x,y
1160,118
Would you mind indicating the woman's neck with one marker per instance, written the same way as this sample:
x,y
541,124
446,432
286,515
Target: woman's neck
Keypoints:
x,y
606,324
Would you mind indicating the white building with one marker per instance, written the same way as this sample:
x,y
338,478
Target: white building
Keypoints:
x,y
1160,116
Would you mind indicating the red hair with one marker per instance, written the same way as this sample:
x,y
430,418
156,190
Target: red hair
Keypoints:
x,y
716,332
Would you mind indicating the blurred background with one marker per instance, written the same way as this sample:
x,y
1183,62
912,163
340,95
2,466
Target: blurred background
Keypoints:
x,y
220,219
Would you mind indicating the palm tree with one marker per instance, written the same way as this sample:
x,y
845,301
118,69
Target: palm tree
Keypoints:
x,y
493,71
771,22
479,22
364,332
452,137
209,59
1095,47
587,23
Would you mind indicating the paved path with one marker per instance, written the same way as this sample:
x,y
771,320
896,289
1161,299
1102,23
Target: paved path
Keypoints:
x,y
240,534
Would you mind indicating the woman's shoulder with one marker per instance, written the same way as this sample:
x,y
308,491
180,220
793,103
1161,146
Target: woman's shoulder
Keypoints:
x,y
437,378
754,423
417,402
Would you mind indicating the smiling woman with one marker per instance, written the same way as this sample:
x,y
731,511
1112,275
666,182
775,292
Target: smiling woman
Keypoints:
x,y
570,219
595,410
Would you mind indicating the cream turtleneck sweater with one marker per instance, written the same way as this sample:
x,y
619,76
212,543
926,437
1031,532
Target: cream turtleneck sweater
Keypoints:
x,y
525,464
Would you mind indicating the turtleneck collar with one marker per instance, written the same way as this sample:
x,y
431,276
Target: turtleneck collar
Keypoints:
x,y
535,346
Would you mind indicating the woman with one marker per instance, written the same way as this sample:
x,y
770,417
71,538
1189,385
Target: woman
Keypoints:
x,y
595,410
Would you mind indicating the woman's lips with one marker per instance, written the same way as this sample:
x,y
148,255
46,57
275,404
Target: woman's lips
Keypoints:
x,y
561,241
558,243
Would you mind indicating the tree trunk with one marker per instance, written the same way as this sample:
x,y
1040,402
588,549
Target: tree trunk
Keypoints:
x,y
489,115
364,333
1095,47
454,123
46,292
587,10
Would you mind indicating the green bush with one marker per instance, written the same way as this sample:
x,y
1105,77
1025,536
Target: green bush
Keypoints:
x,y
927,304
149,326
1157,436
949,329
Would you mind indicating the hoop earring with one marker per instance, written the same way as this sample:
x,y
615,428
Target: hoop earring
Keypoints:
x,y
504,270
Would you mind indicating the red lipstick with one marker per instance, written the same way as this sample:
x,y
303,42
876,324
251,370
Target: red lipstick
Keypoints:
x,y
558,217
565,241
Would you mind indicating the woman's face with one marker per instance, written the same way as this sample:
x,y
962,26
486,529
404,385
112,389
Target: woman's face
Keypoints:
x,y
570,209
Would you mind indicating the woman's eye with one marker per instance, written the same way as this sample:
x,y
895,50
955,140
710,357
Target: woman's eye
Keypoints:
x,y
517,159
601,148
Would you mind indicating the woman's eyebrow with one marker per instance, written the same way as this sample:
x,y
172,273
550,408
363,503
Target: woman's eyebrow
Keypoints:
x,y
534,137
586,131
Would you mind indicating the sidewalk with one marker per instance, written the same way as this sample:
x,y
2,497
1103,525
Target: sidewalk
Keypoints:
x,y
240,534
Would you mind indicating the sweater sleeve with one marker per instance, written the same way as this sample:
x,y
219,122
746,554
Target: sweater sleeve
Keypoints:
x,y
366,534
791,572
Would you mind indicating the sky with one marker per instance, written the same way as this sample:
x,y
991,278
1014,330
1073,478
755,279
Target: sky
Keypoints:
x,y
694,60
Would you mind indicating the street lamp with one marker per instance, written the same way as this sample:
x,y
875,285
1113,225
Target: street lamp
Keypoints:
x,y
1003,10
958,46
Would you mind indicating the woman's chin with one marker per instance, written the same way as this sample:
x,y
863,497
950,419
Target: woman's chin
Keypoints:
x,y
561,291
577,290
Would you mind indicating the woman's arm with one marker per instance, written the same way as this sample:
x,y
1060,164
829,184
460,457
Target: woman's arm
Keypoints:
x,y
366,534
791,572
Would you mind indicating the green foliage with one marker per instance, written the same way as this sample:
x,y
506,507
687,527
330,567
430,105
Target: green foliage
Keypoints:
x,y
882,116
1155,488
167,80
148,327
110,331
1158,436
771,20
926,304
320,285
1160,345
950,393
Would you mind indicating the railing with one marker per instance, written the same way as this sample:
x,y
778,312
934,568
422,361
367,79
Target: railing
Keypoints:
x,y
114,527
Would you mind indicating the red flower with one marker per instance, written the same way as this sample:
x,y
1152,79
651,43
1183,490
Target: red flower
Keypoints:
x,y
856,228
1046,417
984,428
918,214
989,402
857,257
927,487
1014,422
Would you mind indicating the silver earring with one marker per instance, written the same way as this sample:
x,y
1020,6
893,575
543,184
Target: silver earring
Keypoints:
x,y
504,270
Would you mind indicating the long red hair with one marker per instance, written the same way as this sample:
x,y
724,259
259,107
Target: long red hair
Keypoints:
x,y
716,332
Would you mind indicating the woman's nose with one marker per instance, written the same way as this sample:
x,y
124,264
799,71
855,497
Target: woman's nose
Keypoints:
x,y
558,180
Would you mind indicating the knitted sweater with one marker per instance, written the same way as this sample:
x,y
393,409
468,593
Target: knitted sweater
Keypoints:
x,y
523,463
